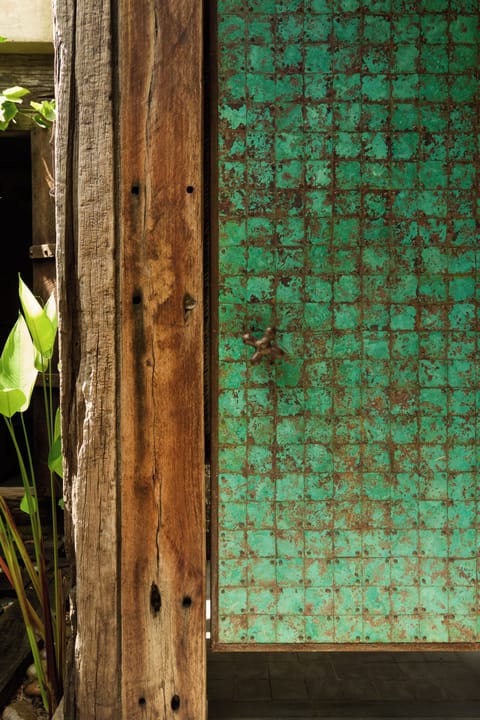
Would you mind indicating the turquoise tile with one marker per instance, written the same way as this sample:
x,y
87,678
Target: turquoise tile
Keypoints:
x,y
348,470
261,628
259,515
290,629
290,543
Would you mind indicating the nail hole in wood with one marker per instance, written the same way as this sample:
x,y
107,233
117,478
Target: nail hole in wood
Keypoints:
x,y
175,702
137,298
189,189
135,189
155,598
142,701
187,601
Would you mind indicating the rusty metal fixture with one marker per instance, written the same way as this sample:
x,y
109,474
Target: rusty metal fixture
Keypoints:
x,y
265,346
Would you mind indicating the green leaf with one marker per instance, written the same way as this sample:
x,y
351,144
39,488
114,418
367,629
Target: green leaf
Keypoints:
x,y
57,426
15,94
8,110
55,458
12,401
61,503
41,122
17,370
50,310
55,454
25,506
3,39
42,322
41,363
46,110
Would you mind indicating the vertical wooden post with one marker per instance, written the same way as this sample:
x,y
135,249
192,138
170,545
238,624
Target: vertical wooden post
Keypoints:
x,y
86,266
161,358
129,229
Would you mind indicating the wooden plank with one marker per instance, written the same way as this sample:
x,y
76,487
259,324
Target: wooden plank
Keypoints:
x,y
43,208
84,172
44,271
12,493
34,72
131,354
15,652
163,564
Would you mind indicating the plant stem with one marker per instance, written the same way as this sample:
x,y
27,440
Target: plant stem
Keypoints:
x,y
49,418
33,509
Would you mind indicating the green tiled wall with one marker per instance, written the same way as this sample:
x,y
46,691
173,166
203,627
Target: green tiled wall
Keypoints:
x,y
348,485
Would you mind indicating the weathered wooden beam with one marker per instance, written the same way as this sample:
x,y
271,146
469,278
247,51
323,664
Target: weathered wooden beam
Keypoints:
x,y
34,72
161,359
86,266
129,229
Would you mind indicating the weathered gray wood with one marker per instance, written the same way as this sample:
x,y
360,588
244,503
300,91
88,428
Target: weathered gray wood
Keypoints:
x,y
129,228
34,72
86,237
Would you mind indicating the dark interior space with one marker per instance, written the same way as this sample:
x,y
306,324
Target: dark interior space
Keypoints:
x,y
16,234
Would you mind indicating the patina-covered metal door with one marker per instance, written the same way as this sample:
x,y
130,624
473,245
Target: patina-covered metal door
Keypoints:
x,y
346,482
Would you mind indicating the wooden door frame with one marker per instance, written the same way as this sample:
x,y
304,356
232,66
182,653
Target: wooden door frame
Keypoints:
x,y
130,285
35,72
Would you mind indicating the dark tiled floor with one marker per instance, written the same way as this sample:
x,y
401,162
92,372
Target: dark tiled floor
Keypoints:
x,y
344,685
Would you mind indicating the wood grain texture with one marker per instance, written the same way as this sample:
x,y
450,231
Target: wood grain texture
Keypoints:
x,y
43,203
85,192
163,652
34,72
44,272
15,654
130,295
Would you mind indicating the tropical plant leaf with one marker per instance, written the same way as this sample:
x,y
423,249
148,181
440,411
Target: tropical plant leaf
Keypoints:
x,y
11,401
16,93
41,363
41,321
55,463
55,457
27,506
51,311
46,110
40,121
57,426
17,370
8,110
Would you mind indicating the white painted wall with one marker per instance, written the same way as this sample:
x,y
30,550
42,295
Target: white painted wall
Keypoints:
x,y
26,21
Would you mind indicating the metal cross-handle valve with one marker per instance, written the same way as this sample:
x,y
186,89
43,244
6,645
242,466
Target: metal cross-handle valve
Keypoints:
x,y
265,347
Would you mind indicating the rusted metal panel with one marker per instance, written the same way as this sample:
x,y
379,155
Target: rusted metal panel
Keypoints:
x,y
347,471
